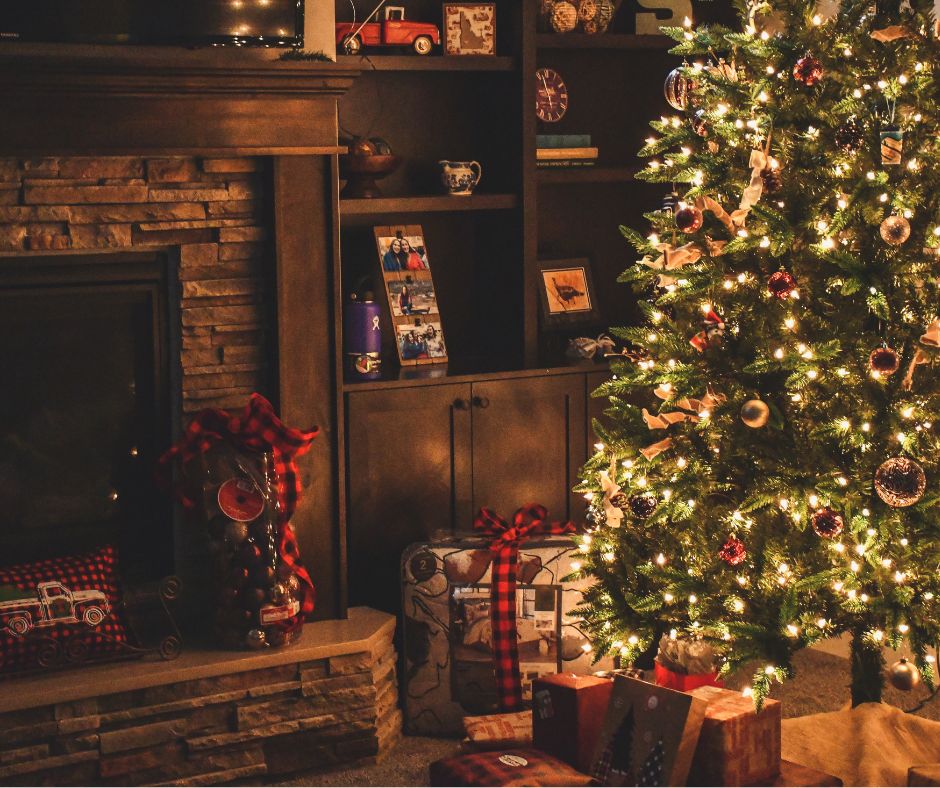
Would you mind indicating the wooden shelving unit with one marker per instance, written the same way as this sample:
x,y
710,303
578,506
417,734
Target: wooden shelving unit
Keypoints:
x,y
595,174
427,204
375,62
604,41
508,418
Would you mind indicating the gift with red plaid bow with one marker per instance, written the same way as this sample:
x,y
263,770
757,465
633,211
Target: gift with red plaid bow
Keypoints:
x,y
484,615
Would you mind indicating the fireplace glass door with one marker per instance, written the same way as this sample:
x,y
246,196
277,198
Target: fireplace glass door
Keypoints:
x,y
84,410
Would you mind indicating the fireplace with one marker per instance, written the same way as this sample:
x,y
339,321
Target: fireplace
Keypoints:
x,y
87,406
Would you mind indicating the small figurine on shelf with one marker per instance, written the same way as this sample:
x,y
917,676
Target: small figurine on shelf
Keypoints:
x,y
392,31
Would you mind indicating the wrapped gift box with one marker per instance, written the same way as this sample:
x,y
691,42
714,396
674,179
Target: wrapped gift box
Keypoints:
x,y
795,775
567,714
737,746
649,735
497,731
448,636
684,682
505,767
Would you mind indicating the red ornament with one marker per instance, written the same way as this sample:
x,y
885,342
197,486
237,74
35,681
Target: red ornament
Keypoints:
x,y
827,523
884,360
781,284
689,219
808,70
732,551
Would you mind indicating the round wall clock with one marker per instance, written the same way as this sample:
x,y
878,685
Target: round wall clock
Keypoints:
x,y
551,95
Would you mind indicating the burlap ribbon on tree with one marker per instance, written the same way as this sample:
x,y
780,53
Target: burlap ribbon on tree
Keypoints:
x,y
257,429
528,521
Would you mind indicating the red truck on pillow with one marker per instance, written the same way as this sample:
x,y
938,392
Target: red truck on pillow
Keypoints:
x,y
393,31
53,604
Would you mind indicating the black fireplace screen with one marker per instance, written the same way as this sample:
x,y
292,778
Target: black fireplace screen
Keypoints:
x,y
84,409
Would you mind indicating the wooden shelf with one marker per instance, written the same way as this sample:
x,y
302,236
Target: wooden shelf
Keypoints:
x,y
427,63
427,204
436,374
601,41
595,174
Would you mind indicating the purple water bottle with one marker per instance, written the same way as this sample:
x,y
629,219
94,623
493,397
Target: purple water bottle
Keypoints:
x,y
363,338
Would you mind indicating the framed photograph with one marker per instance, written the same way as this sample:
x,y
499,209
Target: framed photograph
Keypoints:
x,y
566,293
412,300
420,341
469,28
413,294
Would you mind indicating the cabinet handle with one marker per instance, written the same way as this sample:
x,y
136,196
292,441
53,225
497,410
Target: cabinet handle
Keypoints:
x,y
481,402
461,404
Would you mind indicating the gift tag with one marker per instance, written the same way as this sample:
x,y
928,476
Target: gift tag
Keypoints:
x,y
241,500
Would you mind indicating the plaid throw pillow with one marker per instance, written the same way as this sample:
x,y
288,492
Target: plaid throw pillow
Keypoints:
x,y
60,610
505,767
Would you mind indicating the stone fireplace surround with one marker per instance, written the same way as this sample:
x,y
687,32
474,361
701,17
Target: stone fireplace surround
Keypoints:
x,y
226,161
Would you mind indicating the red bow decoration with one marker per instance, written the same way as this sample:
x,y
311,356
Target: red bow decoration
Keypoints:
x,y
258,429
527,521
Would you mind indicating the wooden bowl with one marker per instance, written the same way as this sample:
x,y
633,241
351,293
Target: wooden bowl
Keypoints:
x,y
361,171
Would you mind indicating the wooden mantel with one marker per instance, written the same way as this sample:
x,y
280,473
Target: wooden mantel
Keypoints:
x,y
108,100
159,101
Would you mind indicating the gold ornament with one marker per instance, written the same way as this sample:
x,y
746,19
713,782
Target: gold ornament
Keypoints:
x,y
895,230
755,413
904,675
900,482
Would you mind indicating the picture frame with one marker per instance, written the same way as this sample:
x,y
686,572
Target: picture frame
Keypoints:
x,y
566,293
410,295
469,28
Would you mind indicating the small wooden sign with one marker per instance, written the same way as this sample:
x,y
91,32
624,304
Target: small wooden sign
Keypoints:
x,y
412,302
469,28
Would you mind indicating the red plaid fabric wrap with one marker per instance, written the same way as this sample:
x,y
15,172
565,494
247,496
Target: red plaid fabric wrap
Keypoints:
x,y
528,521
258,429
45,644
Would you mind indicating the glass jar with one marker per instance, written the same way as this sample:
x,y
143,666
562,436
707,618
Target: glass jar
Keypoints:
x,y
257,595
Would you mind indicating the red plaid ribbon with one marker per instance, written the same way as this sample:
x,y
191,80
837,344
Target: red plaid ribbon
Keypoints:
x,y
527,521
258,429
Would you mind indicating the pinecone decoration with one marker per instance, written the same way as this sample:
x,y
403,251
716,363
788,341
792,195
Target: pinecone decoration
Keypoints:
x,y
850,135
773,183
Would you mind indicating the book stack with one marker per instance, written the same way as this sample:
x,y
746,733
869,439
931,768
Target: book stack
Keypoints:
x,y
564,150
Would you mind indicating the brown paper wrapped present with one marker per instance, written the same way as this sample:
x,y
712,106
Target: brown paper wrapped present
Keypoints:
x,y
497,731
737,746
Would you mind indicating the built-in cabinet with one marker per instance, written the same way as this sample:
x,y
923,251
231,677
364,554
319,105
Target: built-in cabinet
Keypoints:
x,y
423,459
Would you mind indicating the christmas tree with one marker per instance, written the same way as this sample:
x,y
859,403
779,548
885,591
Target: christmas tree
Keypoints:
x,y
768,475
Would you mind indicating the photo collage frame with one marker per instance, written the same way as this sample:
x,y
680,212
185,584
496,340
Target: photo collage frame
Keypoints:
x,y
412,301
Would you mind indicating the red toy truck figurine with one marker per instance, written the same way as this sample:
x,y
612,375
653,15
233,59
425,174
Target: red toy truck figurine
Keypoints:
x,y
393,31
53,604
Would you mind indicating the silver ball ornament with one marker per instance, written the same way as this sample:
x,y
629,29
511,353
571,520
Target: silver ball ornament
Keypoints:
x,y
900,482
677,89
755,413
255,639
904,675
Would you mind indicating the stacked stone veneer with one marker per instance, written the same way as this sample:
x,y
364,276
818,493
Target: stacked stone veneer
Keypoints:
x,y
211,210
270,721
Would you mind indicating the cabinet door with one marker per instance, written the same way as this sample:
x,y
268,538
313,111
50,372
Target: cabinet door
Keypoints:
x,y
409,475
528,444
